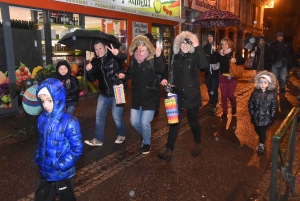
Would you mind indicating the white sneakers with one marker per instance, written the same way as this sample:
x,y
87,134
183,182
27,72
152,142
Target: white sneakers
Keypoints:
x,y
120,139
93,142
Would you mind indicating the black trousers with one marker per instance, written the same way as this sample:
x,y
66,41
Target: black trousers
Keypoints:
x,y
212,84
261,132
47,191
192,115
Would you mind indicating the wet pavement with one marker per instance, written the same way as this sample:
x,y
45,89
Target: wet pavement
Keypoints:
x,y
228,168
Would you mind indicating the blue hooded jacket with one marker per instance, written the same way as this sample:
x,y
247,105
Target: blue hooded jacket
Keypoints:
x,y
59,141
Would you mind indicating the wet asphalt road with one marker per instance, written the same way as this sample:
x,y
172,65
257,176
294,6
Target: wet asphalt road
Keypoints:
x,y
228,168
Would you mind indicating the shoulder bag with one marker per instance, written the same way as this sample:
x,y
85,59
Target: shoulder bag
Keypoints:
x,y
236,71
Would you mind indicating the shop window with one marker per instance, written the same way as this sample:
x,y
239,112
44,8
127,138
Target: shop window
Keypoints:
x,y
111,26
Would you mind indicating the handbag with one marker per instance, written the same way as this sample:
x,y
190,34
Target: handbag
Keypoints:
x,y
236,71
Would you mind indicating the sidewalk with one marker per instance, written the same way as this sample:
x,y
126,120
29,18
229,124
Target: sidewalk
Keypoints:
x,y
228,168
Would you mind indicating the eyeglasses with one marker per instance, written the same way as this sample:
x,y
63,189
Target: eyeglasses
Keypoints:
x,y
263,82
183,43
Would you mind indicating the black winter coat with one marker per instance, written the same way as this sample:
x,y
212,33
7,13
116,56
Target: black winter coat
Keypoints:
x,y
211,60
225,61
145,88
257,57
280,50
262,107
72,90
105,70
185,69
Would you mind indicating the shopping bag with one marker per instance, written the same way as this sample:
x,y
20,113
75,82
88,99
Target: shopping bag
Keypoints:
x,y
172,109
119,94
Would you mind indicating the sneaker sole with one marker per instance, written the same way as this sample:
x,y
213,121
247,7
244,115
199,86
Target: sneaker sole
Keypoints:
x,y
94,145
119,142
144,153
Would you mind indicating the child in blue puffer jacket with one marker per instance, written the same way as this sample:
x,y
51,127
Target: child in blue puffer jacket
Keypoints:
x,y
59,144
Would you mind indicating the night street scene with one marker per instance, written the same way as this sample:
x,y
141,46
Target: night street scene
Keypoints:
x,y
150,100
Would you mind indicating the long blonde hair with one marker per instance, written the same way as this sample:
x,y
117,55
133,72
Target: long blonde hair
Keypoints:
x,y
229,42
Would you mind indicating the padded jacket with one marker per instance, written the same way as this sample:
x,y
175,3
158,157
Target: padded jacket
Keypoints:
x,y
263,105
59,136
105,70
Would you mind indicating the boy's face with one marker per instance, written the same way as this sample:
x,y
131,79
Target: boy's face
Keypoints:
x,y
47,102
210,38
63,70
263,83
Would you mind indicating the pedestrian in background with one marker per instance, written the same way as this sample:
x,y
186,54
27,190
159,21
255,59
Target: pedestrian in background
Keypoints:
x,y
106,68
297,61
261,54
281,55
59,144
71,84
263,105
212,72
227,83
146,63
189,58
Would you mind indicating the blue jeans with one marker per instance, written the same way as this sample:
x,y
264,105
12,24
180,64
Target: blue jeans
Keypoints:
x,y
140,120
103,105
280,74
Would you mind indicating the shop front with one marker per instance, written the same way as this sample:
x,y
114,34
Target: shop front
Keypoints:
x,y
30,31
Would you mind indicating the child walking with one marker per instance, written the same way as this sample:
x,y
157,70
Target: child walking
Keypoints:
x,y
263,105
71,84
59,144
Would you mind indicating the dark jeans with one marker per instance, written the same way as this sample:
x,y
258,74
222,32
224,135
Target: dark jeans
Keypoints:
x,y
192,115
212,84
47,191
261,132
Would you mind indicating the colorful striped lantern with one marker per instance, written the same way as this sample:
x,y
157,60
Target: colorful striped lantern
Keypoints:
x,y
172,110
119,94
30,102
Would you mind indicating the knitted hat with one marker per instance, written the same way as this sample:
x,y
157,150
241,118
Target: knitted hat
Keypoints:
x,y
279,33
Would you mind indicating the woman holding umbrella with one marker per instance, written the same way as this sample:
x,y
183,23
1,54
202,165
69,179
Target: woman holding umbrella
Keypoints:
x,y
227,83
261,54
146,63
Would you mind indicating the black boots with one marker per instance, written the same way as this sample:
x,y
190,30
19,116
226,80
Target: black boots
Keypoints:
x,y
233,111
197,149
167,155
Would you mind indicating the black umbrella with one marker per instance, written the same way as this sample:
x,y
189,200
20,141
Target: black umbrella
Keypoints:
x,y
250,43
83,39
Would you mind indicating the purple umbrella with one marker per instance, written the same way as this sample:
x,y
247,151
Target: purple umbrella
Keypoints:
x,y
216,18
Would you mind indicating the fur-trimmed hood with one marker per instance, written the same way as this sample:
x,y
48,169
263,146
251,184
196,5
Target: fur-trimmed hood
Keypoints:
x,y
273,83
180,38
144,39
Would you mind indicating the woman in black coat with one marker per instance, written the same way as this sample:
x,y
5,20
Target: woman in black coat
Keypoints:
x,y
146,63
188,60
261,57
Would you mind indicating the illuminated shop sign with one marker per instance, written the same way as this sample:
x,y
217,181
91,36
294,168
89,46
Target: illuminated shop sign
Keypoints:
x,y
163,9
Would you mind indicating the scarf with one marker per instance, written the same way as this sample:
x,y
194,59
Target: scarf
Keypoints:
x,y
140,58
261,62
224,52
183,55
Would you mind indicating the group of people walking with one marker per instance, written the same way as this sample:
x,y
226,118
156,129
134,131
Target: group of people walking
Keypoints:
x,y
60,140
